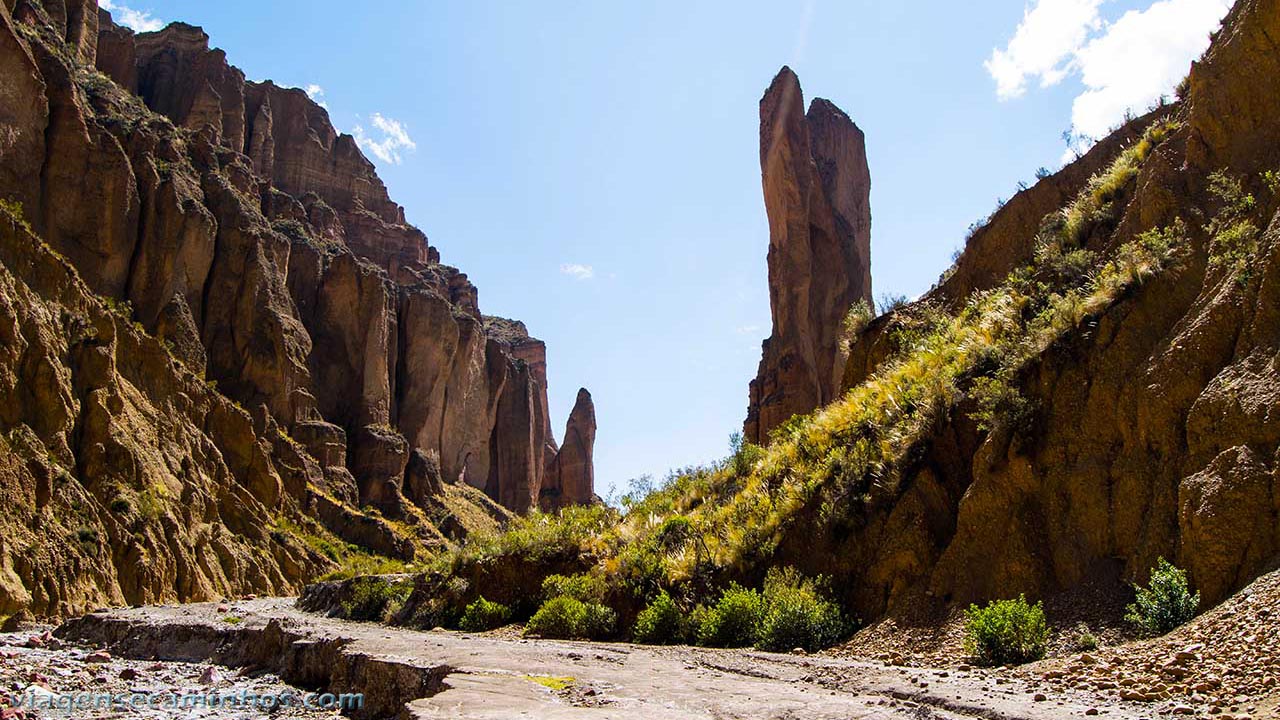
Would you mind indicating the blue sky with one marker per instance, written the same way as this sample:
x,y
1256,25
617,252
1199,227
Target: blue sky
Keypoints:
x,y
593,167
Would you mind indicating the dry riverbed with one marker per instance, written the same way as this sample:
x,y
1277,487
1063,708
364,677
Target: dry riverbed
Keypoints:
x,y
267,645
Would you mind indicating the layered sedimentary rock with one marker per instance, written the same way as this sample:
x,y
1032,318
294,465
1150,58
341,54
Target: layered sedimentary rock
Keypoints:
x,y
1151,428
817,194
570,474
258,248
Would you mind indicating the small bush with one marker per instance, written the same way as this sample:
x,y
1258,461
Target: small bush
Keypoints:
x,y
797,615
374,598
661,623
1006,632
892,303
582,587
564,617
1165,603
483,615
999,404
734,621
1085,640
855,321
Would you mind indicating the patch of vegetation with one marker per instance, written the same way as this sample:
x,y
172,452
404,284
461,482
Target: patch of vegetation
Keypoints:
x,y
1006,632
568,618
855,322
233,619
1271,180
734,621
352,560
153,502
1234,236
891,302
13,208
798,614
1165,604
1000,405
483,615
86,535
1085,640
661,623
582,587
538,536
375,598
1097,204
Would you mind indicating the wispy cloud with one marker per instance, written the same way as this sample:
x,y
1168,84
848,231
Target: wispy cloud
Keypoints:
x,y
578,271
393,138
316,93
1124,65
748,330
136,20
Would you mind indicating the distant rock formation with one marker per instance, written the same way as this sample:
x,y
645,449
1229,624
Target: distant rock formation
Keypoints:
x,y
817,194
570,475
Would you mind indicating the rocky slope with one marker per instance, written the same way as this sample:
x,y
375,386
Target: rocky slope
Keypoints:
x,y
223,334
1152,426
817,194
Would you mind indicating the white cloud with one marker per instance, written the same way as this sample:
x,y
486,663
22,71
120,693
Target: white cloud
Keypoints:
x,y
748,330
136,20
577,271
394,138
316,93
1124,65
1141,56
1044,44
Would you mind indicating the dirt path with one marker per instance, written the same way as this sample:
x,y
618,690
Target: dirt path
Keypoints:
x,y
457,675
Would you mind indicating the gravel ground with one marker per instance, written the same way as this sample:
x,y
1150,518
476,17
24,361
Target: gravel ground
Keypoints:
x,y
36,666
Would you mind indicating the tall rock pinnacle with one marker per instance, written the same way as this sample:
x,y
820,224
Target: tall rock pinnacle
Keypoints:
x,y
817,194
570,475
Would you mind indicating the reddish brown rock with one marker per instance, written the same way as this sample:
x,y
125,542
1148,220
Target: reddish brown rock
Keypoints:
x,y
817,194
570,474
265,267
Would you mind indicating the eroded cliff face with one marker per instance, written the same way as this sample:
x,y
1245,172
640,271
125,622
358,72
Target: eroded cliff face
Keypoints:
x,y
256,247
817,194
1152,429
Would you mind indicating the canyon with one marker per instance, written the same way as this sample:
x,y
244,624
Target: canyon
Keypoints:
x,y
240,393
224,345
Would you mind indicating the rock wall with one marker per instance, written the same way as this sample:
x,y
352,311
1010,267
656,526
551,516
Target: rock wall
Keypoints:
x,y
258,247
1153,431
817,194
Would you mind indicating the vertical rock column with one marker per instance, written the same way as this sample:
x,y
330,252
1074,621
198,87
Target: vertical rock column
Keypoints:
x,y
817,194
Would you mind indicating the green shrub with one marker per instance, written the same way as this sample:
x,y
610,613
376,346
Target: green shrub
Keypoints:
x,y
735,619
1165,603
598,621
14,209
483,615
568,618
1006,632
374,598
999,403
743,455
797,615
1085,640
856,320
582,587
661,623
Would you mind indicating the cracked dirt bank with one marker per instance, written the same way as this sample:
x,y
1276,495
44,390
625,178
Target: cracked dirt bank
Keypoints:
x,y
438,674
